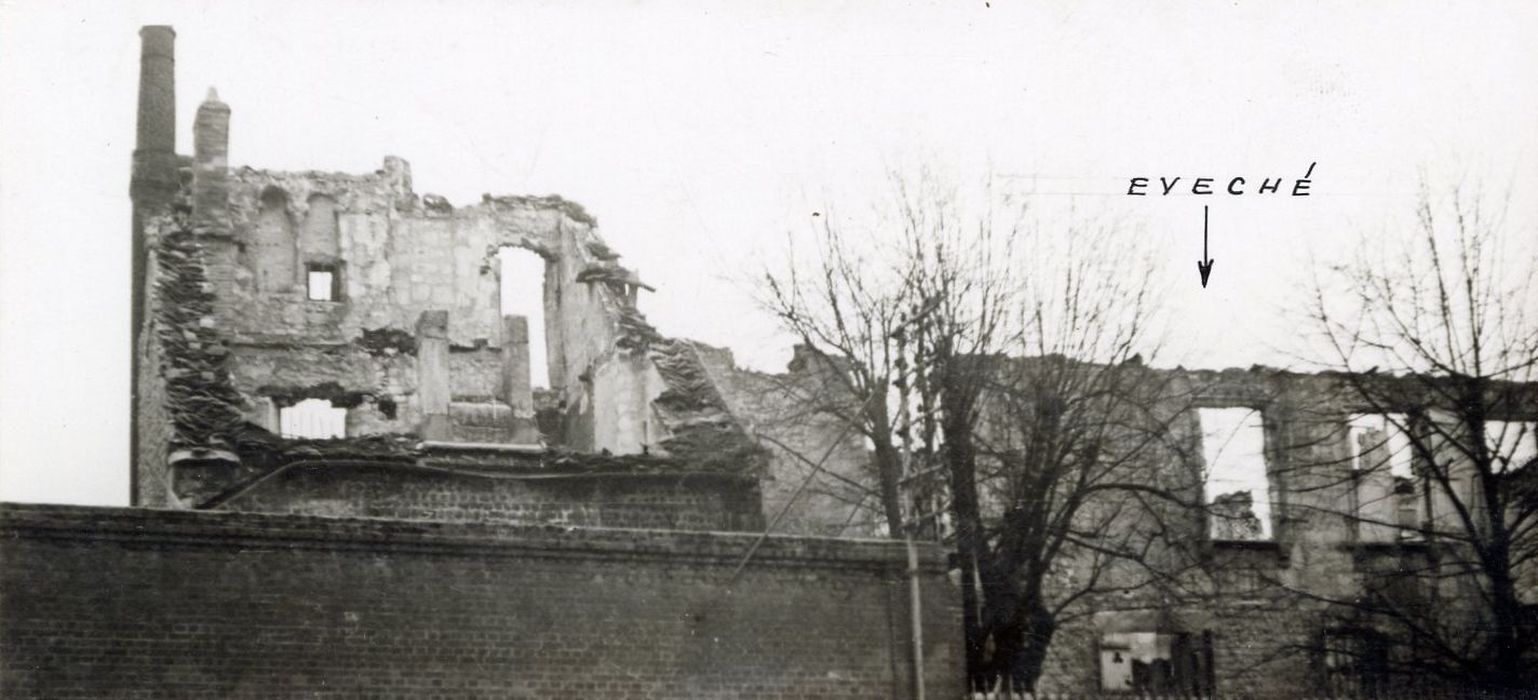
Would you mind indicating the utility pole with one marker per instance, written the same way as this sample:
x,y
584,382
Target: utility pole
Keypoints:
x,y
910,519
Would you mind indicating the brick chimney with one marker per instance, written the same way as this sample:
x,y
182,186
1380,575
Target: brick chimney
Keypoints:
x,y
151,187
210,163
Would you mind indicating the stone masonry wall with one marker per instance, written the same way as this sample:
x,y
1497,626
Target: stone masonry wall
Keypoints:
x,y
780,408
661,501
354,290
399,256
98,602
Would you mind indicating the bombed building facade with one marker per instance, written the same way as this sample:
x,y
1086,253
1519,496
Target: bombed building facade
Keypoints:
x,y
331,305
1278,531
1326,537
345,484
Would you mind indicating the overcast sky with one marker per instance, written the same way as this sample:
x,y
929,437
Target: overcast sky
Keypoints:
x,y
699,134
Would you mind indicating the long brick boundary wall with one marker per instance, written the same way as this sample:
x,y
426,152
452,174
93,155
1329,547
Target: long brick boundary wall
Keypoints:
x,y
112,602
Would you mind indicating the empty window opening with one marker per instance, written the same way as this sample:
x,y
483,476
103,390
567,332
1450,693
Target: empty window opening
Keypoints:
x,y
522,293
1236,489
314,419
323,282
1379,442
1386,497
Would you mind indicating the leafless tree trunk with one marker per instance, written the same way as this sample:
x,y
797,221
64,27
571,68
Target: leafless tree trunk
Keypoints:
x,y
1070,432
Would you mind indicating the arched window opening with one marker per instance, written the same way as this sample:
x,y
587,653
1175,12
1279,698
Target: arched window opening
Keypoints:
x,y
273,255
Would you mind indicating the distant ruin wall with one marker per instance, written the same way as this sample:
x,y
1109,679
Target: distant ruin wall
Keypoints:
x,y
783,409
98,602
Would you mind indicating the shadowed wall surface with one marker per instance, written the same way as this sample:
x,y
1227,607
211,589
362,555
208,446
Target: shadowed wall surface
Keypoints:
x,y
104,602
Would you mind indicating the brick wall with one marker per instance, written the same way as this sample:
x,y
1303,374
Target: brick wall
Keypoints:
x,y
99,602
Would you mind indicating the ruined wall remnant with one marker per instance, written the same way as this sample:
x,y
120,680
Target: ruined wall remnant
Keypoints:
x,y
807,446
1257,608
282,287
1244,600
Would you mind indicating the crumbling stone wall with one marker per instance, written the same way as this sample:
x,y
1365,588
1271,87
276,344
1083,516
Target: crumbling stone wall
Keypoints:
x,y
1263,604
780,409
409,339
1250,598
667,501
397,259
152,487
99,602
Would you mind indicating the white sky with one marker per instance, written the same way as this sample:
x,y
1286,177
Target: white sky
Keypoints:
x,y
699,134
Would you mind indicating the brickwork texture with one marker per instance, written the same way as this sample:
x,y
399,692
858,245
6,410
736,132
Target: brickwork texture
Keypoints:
x,y
101,602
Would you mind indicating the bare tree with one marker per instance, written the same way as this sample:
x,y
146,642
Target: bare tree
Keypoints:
x,y
1436,342
1058,453
844,307
1007,361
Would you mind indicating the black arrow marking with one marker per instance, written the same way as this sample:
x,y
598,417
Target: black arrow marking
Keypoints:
x,y
1204,265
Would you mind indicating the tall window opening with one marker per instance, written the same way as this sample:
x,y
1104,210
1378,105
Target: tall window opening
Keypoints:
x,y
523,294
1237,491
1387,498
320,249
312,418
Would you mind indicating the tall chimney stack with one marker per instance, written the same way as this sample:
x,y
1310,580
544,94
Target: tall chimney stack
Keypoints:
x,y
151,188
154,169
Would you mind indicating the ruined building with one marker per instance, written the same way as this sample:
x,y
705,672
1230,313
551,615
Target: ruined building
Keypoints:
x,y
345,485
1281,538
373,312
